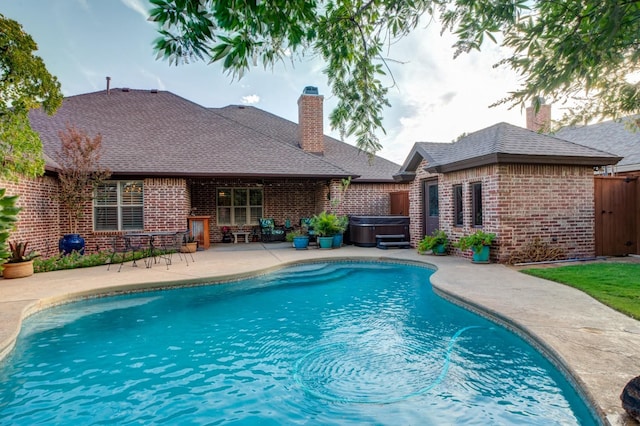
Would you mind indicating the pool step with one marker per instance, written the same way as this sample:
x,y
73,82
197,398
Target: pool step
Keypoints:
x,y
391,241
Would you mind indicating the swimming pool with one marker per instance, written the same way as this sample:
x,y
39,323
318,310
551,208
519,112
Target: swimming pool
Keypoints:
x,y
323,343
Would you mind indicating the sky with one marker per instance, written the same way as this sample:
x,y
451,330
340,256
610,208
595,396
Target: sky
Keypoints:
x,y
435,99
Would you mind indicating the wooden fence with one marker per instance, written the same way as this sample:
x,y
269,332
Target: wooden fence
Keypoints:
x,y
617,215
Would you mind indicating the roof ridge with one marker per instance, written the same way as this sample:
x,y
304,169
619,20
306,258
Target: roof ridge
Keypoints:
x,y
289,146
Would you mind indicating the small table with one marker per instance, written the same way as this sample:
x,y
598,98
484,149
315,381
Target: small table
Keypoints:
x,y
240,233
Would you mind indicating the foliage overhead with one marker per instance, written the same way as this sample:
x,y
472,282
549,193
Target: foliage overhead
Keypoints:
x,y
563,50
80,171
584,54
25,84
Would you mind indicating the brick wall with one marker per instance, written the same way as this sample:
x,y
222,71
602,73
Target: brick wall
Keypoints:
x,y
555,203
520,202
310,123
416,203
491,211
38,222
295,198
370,199
166,207
541,121
283,199
42,221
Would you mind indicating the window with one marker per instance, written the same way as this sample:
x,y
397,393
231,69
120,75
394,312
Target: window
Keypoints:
x,y
239,206
476,203
433,200
118,206
458,215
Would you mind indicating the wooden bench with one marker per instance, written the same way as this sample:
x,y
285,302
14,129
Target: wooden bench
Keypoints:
x,y
391,241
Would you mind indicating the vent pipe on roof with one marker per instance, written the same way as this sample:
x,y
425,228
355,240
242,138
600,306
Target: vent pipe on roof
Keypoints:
x,y
108,85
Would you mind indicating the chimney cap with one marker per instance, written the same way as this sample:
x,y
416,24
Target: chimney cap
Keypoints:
x,y
310,90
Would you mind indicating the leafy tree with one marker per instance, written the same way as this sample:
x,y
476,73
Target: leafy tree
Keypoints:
x,y
8,218
564,50
25,84
584,54
349,35
80,171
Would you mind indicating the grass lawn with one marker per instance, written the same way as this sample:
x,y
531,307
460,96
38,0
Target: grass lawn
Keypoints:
x,y
617,285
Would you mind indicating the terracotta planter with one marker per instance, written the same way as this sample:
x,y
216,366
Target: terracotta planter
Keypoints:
x,y
189,247
17,270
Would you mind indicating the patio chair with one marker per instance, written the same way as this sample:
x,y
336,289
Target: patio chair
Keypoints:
x,y
270,232
122,245
305,223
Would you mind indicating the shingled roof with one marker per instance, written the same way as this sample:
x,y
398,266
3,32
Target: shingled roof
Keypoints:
x,y
616,136
343,155
157,133
502,143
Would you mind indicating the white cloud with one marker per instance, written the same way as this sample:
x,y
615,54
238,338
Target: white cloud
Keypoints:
x,y
439,98
250,99
83,4
137,6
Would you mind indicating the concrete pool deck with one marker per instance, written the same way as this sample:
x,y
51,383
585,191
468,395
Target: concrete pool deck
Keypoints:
x,y
599,346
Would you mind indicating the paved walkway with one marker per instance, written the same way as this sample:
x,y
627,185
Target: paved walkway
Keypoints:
x,y
599,346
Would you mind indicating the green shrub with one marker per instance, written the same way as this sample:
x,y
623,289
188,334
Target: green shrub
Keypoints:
x,y
429,242
475,241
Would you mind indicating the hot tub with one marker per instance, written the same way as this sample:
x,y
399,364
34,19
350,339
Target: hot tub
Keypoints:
x,y
363,229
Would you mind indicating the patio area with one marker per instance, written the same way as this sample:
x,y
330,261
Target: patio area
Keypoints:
x,y
598,345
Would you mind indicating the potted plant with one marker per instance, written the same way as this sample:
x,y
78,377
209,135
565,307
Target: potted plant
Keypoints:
x,y
20,264
437,243
479,242
326,226
189,244
342,222
80,176
299,240
226,234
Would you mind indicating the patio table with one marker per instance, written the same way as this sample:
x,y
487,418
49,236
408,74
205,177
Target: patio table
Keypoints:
x,y
154,250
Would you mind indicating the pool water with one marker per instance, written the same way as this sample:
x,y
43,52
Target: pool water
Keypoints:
x,y
344,343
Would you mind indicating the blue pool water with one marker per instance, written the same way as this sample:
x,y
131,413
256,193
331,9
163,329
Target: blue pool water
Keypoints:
x,y
328,343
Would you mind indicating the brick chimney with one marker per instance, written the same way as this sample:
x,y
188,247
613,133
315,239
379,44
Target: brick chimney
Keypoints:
x,y
540,121
310,121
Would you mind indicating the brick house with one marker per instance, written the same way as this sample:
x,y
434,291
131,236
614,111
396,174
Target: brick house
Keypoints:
x,y
615,136
514,182
171,158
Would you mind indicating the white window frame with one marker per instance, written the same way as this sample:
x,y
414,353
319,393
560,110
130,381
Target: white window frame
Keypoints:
x,y
121,187
232,208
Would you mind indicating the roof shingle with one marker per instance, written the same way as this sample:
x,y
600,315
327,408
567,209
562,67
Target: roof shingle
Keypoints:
x,y
504,143
159,133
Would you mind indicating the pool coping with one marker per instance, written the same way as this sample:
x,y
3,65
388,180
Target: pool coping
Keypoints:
x,y
558,319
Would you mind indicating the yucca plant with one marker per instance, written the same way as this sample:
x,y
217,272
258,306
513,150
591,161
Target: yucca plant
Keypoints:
x,y
19,252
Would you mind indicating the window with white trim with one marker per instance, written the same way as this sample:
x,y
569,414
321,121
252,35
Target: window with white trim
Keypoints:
x,y
239,206
118,206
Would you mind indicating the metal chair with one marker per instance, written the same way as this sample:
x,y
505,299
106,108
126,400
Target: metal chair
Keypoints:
x,y
122,245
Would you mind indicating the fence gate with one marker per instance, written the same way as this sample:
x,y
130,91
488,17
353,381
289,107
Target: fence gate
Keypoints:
x,y
616,215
